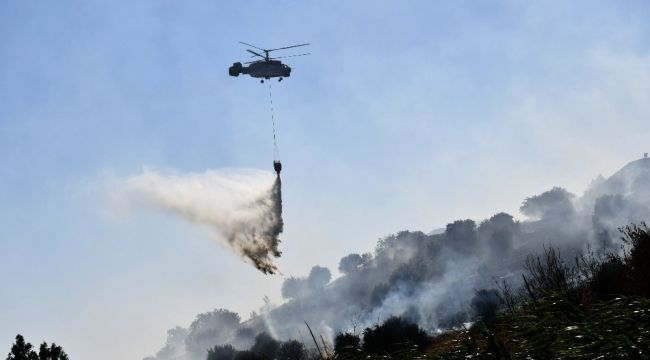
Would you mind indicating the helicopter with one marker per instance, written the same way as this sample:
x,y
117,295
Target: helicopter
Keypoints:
x,y
266,68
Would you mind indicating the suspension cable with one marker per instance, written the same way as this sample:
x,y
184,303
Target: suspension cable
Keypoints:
x,y
276,152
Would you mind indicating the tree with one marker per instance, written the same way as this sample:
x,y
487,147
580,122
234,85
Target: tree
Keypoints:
x,y
265,346
554,204
210,328
299,287
23,350
350,263
54,352
221,352
462,236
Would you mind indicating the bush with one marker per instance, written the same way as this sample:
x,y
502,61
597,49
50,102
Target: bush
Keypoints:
x,y
549,273
346,343
637,258
393,335
611,279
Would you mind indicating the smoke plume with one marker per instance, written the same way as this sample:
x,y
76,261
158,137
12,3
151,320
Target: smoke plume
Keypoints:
x,y
442,279
243,208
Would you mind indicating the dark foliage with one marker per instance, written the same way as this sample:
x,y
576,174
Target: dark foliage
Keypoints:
x,y
486,303
247,355
209,328
265,346
350,263
462,236
291,350
54,352
22,350
395,333
610,279
294,287
554,204
609,318
222,352
346,342
637,258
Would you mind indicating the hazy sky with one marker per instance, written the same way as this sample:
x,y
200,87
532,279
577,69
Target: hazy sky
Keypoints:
x,y
407,115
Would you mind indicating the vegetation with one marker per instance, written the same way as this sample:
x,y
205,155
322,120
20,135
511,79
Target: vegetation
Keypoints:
x,y
22,350
591,308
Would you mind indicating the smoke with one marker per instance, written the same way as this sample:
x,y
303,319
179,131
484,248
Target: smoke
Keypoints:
x,y
441,280
243,208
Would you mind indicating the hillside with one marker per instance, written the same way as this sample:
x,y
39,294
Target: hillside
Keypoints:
x,y
432,279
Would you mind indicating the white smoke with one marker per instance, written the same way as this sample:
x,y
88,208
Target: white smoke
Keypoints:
x,y
433,279
242,207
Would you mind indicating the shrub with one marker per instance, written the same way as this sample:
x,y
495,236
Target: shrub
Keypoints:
x,y
394,334
638,256
346,343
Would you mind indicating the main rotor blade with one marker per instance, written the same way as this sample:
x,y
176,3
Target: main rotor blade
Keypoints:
x,y
287,47
253,52
247,44
288,56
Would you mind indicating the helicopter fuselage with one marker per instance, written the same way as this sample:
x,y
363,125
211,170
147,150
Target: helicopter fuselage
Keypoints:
x,y
265,69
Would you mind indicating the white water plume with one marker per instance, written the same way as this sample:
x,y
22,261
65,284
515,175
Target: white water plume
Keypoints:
x,y
243,207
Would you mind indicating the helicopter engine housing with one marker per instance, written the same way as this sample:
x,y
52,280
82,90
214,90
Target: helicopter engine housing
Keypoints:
x,y
235,69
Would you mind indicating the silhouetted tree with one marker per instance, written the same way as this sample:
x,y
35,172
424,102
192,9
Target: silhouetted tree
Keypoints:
x,y
210,328
54,352
247,355
292,287
222,352
350,263
462,236
23,350
265,346
553,204
297,287
291,350
497,234
394,334
346,342
318,277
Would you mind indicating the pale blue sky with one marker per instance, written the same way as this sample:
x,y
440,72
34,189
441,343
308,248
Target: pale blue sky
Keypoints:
x,y
407,115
